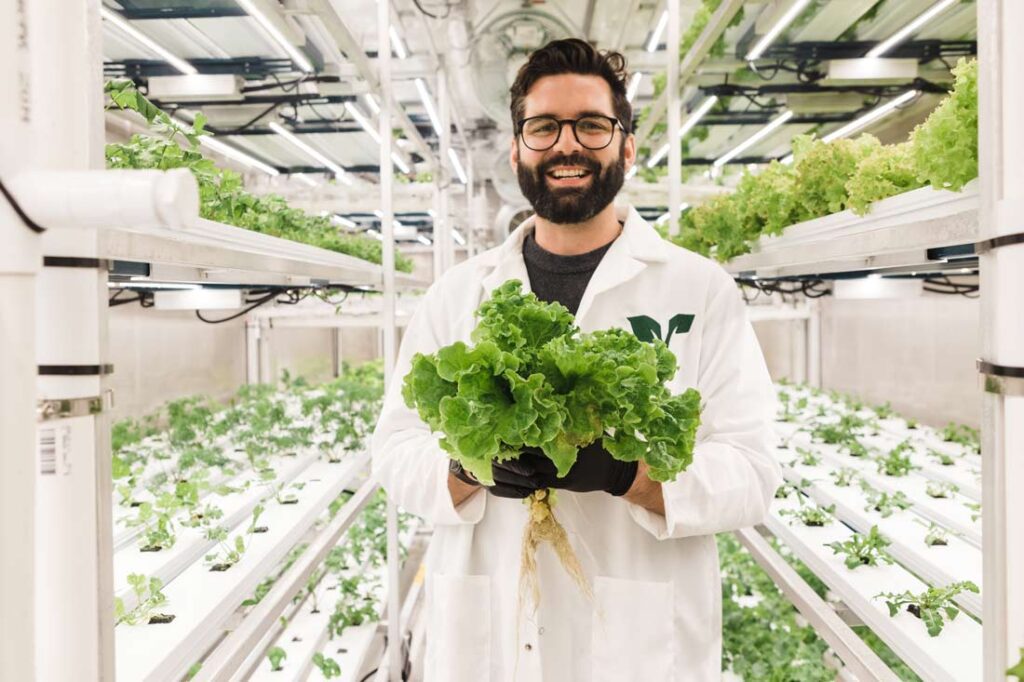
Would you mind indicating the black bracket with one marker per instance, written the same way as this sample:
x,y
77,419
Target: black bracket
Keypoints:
x,y
997,242
76,262
75,370
992,369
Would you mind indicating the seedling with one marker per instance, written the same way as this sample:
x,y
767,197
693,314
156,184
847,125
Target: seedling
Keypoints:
x,y
863,550
934,606
897,462
937,536
147,598
276,656
328,666
884,503
814,516
854,448
940,489
807,458
975,508
1017,670
229,554
884,411
941,457
844,476
963,435
912,424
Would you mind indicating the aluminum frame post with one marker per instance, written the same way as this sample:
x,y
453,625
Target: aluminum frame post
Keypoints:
x,y
675,151
444,116
1001,169
394,648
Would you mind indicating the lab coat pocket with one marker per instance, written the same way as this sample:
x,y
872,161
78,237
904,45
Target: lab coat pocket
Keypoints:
x,y
461,628
632,631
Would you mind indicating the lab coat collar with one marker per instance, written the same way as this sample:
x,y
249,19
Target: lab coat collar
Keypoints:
x,y
638,245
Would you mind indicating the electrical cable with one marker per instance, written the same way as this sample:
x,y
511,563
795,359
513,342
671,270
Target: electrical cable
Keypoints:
x,y
266,299
29,223
447,10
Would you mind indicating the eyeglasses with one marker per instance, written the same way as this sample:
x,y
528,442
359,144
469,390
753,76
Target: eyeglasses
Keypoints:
x,y
541,133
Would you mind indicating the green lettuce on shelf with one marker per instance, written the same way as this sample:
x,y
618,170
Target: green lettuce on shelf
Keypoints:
x,y
829,177
222,194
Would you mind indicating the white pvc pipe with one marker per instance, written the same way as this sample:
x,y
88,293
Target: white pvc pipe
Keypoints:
x,y
675,154
102,199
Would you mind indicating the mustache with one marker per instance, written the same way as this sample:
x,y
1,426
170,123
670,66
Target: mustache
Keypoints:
x,y
569,160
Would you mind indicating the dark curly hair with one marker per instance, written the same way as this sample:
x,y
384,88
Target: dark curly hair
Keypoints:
x,y
573,55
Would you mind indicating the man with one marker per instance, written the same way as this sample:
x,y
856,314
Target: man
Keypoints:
x,y
648,548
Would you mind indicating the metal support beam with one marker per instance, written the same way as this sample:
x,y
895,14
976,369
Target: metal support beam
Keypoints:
x,y
675,152
1001,166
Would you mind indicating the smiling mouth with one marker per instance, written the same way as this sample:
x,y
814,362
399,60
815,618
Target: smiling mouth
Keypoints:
x,y
567,173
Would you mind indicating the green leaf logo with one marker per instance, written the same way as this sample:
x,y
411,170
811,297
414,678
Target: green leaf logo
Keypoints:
x,y
647,328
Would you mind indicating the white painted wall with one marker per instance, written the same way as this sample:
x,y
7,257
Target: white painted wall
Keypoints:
x,y
918,354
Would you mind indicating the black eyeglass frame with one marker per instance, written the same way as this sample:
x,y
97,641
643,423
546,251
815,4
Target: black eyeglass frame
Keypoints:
x,y
573,122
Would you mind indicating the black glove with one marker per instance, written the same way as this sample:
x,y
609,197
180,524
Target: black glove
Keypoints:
x,y
516,479
595,470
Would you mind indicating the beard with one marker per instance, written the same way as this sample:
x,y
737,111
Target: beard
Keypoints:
x,y
568,205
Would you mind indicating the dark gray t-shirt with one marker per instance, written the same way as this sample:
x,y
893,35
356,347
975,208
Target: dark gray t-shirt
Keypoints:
x,y
561,279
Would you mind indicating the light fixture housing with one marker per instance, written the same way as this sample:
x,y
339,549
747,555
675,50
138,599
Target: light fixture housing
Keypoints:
x,y
293,52
119,21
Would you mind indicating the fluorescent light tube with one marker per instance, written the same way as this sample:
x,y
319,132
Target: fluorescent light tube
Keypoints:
x,y
632,171
375,234
423,240
306,179
428,104
459,239
361,120
665,216
396,43
275,34
652,44
871,116
312,152
343,221
768,38
753,139
402,165
692,120
457,165
231,152
634,85
177,62
911,28
374,107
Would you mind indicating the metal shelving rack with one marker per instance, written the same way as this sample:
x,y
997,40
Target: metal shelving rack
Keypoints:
x,y
92,226
931,231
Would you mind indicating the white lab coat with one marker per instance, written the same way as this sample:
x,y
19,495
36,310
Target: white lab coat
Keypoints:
x,y
656,614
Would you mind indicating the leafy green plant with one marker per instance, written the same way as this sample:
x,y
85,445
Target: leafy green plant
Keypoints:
x,y
934,606
884,503
962,435
147,598
945,146
975,508
911,424
844,476
276,656
897,462
884,411
863,550
941,457
329,668
854,448
936,536
222,195
823,169
808,457
940,489
1018,669
889,171
814,516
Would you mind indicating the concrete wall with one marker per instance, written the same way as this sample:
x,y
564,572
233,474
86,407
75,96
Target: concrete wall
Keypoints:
x,y
917,353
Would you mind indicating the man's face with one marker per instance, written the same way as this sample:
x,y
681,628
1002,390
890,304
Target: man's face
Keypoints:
x,y
567,200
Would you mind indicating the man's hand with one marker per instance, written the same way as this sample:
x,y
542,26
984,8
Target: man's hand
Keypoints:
x,y
595,470
516,479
